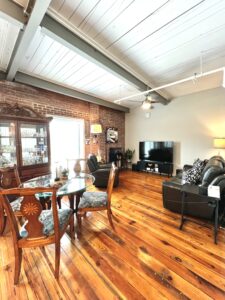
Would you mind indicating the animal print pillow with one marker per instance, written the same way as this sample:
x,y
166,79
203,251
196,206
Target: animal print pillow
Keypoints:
x,y
193,175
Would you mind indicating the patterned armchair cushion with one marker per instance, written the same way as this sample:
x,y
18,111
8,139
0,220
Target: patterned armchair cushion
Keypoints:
x,y
93,199
46,218
16,204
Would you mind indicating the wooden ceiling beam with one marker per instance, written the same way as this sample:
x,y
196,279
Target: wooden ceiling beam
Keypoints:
x,y
49,86
69,39
25,38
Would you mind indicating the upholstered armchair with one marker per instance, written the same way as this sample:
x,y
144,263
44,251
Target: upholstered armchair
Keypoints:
x,y
101,172
95,164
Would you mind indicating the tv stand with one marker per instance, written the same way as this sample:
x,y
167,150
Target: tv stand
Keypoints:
x,y
155,167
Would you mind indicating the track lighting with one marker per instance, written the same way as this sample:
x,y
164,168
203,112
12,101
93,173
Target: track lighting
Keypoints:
x,y
195,77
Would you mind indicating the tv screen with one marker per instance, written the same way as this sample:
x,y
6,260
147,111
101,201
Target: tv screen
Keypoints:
x,y
156,151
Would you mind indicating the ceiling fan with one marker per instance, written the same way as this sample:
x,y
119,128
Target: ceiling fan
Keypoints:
x,y
147,103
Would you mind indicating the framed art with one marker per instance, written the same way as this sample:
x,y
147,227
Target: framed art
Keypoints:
x,y
111,135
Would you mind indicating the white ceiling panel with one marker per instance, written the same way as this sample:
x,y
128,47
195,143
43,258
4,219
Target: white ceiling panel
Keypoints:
x,y
200,84
160,41
52,61
157,41
8,36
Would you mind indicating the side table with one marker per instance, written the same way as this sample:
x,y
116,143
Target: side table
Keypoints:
x,y
187,190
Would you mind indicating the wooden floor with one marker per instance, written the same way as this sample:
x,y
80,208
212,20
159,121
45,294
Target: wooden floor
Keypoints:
x,y
146,258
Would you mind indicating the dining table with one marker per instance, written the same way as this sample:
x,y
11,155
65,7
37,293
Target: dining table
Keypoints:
x,y
72,187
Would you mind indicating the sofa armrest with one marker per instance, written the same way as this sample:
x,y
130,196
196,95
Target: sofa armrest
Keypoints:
x,y
196,196
105,166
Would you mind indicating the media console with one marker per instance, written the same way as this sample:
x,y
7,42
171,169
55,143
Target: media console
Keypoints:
x,y
154,167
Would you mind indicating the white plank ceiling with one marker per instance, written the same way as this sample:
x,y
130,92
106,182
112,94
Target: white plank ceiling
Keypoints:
x,y
161,41
158,41
8,36
48,59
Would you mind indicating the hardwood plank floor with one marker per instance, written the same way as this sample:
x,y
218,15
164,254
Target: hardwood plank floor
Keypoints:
x,y
147,257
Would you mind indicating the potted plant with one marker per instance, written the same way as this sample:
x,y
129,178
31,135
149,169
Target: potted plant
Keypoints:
x,y
129,155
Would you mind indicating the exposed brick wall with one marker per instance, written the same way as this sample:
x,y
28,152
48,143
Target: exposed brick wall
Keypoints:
x,y
45,102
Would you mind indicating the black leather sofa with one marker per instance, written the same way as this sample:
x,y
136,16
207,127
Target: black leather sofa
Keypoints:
x,y
100,172
212,174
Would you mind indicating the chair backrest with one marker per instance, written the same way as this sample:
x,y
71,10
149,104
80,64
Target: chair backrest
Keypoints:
x,y
111,180
92,163
30,209
8,176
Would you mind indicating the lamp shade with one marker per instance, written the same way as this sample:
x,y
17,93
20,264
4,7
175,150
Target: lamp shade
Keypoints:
x,y
219,143
96,128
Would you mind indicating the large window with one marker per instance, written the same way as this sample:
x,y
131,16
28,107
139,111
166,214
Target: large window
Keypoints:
x,y
67,141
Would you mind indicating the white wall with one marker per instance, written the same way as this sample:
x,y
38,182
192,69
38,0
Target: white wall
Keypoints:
x,y
190,121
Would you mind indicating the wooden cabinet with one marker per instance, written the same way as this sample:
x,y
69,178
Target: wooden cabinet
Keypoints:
x,y
154,167
24,140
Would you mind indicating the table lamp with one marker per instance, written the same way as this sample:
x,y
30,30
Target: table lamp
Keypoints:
x,y
96,128
219,143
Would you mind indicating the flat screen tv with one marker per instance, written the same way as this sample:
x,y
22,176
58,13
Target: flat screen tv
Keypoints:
x,y
156,151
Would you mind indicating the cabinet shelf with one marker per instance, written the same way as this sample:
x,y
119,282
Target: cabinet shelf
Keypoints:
x,y
24,140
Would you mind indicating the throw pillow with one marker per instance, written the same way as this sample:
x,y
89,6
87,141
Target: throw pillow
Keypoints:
x,y
193,175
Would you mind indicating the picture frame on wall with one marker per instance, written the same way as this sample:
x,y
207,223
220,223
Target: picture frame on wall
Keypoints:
x,y
111,135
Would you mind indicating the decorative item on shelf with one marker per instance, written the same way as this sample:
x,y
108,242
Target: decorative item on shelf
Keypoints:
x,y
87,141
77,167
219,143
96,129
111,135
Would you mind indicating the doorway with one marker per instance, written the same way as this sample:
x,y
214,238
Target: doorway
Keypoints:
x,y
67,141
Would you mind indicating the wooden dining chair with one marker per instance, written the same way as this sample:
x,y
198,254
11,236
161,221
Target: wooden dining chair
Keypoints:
x,y
96,201
40,227
9,178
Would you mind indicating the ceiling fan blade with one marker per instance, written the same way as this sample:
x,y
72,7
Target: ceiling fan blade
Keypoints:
x,y
134,101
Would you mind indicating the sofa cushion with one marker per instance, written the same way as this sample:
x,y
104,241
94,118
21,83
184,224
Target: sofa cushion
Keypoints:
x,y
211,174
193,175
214,161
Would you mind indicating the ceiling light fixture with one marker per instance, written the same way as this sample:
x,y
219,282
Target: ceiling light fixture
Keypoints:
x,y
146,104
195,77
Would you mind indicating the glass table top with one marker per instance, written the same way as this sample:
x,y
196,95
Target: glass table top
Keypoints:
x,y
66,187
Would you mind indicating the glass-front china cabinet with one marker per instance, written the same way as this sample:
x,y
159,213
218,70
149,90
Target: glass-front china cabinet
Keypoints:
x,y
24,140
